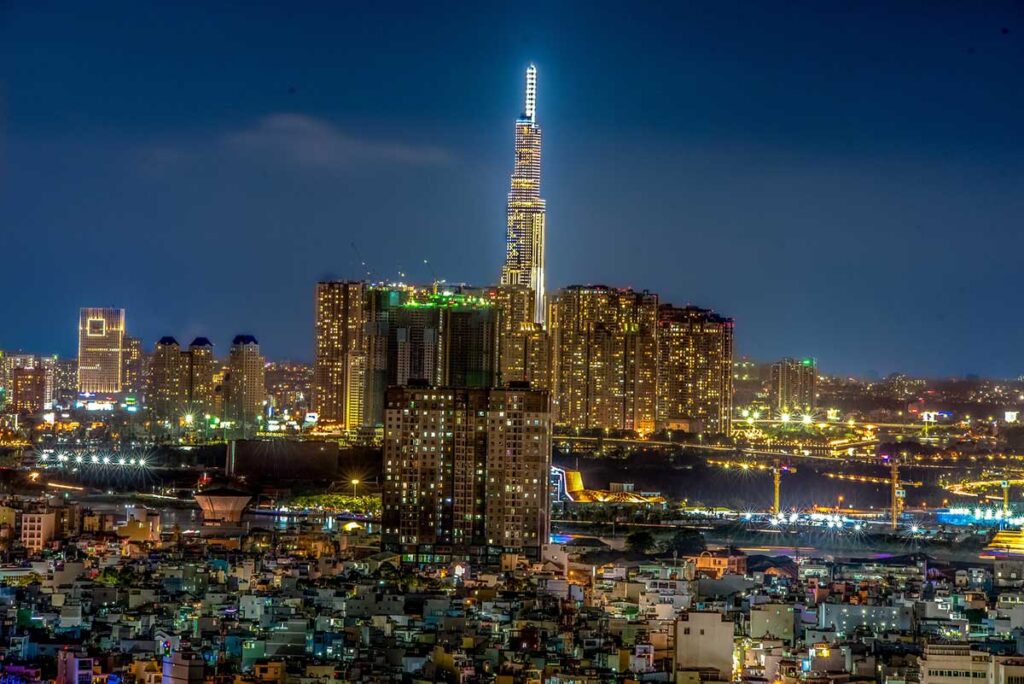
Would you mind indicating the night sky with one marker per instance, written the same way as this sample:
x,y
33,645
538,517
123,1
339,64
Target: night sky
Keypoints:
x,y
845,179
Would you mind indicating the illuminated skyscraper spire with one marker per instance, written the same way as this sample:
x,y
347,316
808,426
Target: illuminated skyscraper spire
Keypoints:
x,y
524,241
530,111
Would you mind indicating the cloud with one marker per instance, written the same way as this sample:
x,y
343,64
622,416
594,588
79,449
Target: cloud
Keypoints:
x,y
314,143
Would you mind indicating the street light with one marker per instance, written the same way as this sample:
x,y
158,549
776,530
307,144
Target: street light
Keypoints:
x,y
355,485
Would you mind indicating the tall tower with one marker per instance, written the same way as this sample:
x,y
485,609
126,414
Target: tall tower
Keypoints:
x,y
339,367
524,241
100,346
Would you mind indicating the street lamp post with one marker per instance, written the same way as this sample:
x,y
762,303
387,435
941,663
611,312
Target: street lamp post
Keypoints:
x,y
355,486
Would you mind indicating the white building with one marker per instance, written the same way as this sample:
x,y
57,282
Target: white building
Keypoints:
x,y
704,640
37,530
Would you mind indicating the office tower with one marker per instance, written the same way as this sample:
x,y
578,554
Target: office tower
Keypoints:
x,y
28,389
524,241
694,370
382,303
132,365
465,473
165,397
794,385
65,381
100,346
339,366
605,358
199,372
523,345
444,339
244,385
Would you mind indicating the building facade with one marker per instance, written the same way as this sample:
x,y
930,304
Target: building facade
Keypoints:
x,y
165,396
605,358
339,367
245,385
526,212
524,347
794,384
694,370
465,473
100,349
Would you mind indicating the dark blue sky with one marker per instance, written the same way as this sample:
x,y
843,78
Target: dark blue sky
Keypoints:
x,y
845,179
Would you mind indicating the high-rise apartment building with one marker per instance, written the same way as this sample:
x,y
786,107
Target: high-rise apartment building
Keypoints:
x,y
526,213
694,370
100,348
382,303
605,358
132,360
523,346
28,389
445,339
65,380
245,384
165,397
200,368
794,385
466,473
339,366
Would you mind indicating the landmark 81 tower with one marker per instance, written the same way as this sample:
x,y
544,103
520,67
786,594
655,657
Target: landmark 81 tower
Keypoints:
x,y
524,245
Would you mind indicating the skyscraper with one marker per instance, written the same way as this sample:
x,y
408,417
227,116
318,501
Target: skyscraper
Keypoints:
x,y
100,346
466,473
382,305
28,389
605,358
794,385
339,365
245,384
694,369
165,396
524,241
523,345
445,339
132,361
200,369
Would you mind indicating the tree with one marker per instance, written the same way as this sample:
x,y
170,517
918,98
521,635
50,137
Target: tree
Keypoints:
x,y
686,542
639,541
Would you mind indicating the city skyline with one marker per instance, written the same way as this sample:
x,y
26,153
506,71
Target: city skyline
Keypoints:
x,y
636,179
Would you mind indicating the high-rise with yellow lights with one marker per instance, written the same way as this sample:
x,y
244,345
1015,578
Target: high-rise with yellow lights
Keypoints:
x,y
524,241
466,473
694,370
245,386
339,366
167,390
100,346
523,345
605,358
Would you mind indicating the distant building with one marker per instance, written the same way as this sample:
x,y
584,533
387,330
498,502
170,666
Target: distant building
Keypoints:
x,y
100,350
694,369
465,473
65,380
200,368
245,384
132,361
165,397
183,668
339,366
382,303
28,389
524,348
605,356
794,386
447,340
73,667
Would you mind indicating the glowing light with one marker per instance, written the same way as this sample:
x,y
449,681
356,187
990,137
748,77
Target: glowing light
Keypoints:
x,y
807,420
785,417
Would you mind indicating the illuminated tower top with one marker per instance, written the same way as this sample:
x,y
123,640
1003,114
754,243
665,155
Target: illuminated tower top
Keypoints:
x,y
530,110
